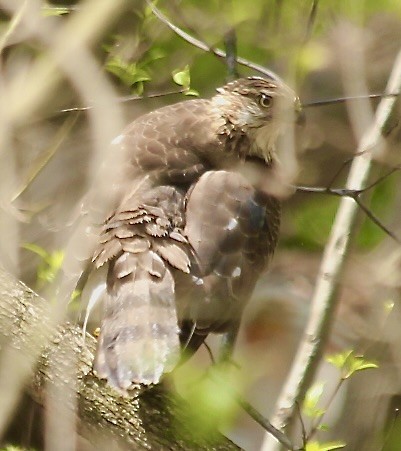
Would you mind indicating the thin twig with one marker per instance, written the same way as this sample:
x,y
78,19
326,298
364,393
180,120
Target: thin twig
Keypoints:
x,y
265,423
355,194
375,220
205,47
346,99
341,168
215,376
125,99
316,424
44,157
324,300
12,26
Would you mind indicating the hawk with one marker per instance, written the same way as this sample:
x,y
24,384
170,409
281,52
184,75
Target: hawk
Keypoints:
x,y
193,227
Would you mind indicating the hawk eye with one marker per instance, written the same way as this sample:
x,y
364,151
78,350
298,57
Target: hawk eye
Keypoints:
x,y
265,101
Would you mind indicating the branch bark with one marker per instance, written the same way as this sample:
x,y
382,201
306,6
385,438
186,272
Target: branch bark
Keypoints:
x,y
151,419
324,298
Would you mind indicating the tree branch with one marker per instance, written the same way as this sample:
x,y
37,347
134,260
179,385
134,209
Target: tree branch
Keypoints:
x,y
150,419
203,46
324,299
355,194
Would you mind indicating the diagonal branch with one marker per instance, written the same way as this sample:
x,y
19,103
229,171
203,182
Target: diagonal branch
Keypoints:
x,y
207,48
324,299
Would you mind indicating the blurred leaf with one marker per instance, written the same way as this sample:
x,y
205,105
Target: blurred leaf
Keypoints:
x,y
128,73
389,306
313,56
153,54
49,265
210,398
16,448
328,446
310,405
48,10
339,359
38,250
192,92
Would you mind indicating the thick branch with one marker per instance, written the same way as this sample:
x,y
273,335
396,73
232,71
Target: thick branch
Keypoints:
x,y
150,419
324,299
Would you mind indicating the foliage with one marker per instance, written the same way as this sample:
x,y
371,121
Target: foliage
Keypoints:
x,y
49,266
310,405
183,78
328,446
349,363
210,397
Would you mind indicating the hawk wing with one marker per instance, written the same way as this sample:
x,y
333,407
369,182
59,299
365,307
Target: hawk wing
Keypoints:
x,y
233,231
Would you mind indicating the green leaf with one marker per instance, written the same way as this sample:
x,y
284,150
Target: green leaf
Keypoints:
x,y
49,266
191,92
128,73
348,363
310,405
36,249
339,359
328,446
210,399
153,54
48,11
182,77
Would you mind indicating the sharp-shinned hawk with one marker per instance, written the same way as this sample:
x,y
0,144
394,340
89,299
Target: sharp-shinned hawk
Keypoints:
x,y
193,228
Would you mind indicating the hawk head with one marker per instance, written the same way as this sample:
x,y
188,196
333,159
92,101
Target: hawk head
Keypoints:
x,y
260,109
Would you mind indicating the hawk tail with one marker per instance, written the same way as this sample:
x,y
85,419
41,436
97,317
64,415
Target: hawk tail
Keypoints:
x,y
139,338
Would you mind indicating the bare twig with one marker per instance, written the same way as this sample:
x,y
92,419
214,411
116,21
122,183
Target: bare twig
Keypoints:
x,y
265,423
250,410
317,423
124,99
346,99
323,301
44,157
375,220
355,194
203,46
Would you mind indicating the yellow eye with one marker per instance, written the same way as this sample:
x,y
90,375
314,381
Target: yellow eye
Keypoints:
x,y
265,101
